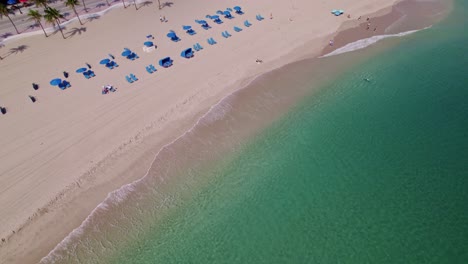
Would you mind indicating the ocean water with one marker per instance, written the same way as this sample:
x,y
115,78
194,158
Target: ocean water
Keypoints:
x,y
353,171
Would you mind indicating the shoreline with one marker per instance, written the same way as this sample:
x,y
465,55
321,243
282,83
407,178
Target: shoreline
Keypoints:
x,y
135,146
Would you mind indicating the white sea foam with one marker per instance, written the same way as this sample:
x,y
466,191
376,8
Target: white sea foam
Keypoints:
x,y
363,43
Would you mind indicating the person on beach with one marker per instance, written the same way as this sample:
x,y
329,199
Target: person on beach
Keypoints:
x,y
65,74
160,18
331,42
87,64
375,28
258,61
359,18
271,15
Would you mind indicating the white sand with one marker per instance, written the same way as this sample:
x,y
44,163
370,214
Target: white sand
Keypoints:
x,y
61,155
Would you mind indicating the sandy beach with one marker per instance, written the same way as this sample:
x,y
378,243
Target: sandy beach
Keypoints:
x,y
63,154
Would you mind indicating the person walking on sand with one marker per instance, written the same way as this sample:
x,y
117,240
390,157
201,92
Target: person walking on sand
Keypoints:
x,y
271,15
160,19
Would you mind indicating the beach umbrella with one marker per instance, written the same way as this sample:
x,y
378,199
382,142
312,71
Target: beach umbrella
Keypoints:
x,y
201,22
148,44
208,16
56,82
149,36
219,12
186,27
11,2
215,17
80,70
226,13
126,52
229,9
111,56
171,34
104,61
23,1
237,8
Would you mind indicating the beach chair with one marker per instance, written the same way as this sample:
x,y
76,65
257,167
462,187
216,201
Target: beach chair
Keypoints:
x,y
228,15
114,64
86,75
152,67
148,69
166,62
238,10
195,47
128,79
187,53
259,17
224,34
91,73
237,29
247,23
213,41
199,46
191,32
218,21
227,34
133,77
109,66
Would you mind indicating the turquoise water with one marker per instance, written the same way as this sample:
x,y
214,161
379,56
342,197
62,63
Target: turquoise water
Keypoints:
x,y
363,172
359,172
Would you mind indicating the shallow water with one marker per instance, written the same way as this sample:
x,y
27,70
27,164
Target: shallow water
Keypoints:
x,y
356,172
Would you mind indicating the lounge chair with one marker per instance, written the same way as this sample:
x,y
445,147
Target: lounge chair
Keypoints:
x,y
91,73
199,46
114,64
237,29
259,17
148,69
128,79
86,75
227,34
238,10
218,21
213,41
224,34
109,66
247,23
195,47
133,77
152,67
228,15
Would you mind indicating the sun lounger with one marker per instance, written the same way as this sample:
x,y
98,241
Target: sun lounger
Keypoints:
x,y
238,10
109,66
191,32
224,34
152,67
148,69
86,75
213,41
133,77
259,17
199,46
187,53
228,15
247,23
195,47
91,73
227,34
128,79
218,21
237,29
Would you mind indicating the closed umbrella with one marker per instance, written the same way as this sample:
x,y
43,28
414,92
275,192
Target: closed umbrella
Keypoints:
x,y
80,70
201,22
104,61
56,81
237,8
215,17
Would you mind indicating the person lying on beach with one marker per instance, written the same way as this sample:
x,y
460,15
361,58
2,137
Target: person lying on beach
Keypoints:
x,y
258,61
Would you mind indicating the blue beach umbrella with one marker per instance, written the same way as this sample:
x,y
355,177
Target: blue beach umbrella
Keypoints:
x,y
126,52
226,13
56,82
219,12
229,9
208,16
201,22
148,44
171,35
237,8
186,27
104,61
11,2
215,17
80,70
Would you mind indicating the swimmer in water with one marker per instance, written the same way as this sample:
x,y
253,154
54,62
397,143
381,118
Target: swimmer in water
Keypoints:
x,y
367,79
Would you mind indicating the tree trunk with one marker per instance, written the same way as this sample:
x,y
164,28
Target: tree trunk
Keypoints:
x,y
42,28
136,8
60,28
84,6
19,8
159,4
13,24
107,1
123,2
76,13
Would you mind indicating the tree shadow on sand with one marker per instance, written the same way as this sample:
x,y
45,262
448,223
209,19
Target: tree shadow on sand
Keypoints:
x,y
19,49
6,35
93,17
166,4
75,31
147,3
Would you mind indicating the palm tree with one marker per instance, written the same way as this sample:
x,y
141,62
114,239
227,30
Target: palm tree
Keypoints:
x,y
52,16
107,1
5,12
159,4
72,4
123,2
136,8
84,6
36,16
41,3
